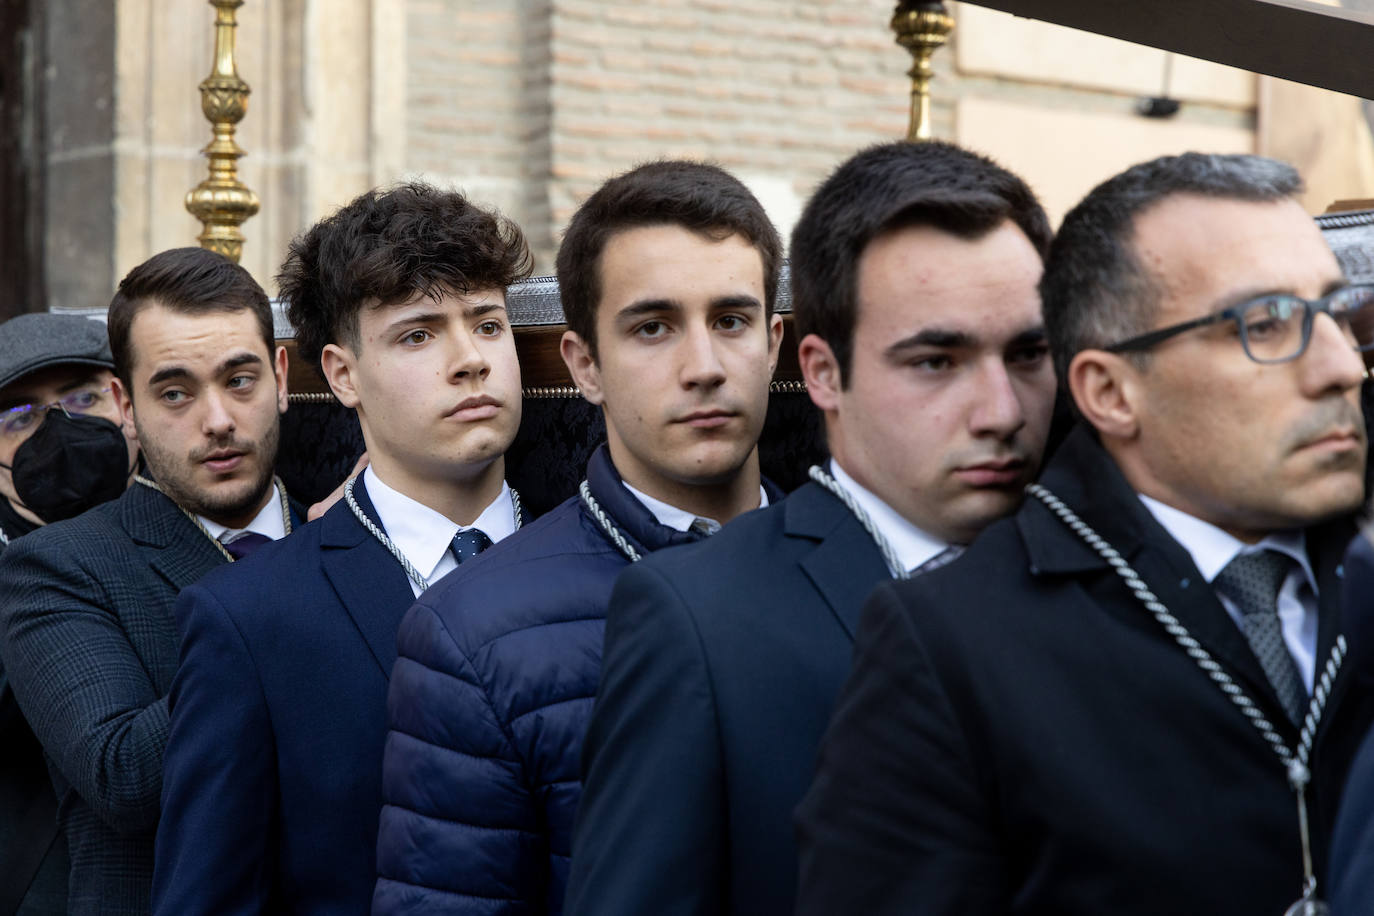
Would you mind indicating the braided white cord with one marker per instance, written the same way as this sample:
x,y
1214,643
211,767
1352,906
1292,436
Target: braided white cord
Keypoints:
x,y
4,539
894,566
411,572
195,520
1296,763
604,520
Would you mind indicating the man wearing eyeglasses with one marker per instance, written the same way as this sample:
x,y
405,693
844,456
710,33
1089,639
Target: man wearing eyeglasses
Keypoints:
x,y
58,367
1129,697
61,448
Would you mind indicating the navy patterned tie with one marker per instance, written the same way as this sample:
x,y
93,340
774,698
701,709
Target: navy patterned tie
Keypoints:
x,y
1252,582
245,544
468,543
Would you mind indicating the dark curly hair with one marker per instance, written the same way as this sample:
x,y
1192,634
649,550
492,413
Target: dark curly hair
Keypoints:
x,y
387,247
694,195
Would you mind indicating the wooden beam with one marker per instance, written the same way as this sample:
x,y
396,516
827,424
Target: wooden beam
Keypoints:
x,y
1298,40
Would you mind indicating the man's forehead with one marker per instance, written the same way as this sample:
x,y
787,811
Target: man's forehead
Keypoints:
x,y
1191,244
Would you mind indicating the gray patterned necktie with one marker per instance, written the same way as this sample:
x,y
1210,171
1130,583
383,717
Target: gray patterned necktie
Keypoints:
x,y
943,558
1252,582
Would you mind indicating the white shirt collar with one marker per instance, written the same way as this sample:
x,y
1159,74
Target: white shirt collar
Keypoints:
x,y
267,522
675,518
912,545
1212,548
423,535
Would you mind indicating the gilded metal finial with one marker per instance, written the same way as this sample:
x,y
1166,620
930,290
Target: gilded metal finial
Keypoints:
x,y
922,27
222,202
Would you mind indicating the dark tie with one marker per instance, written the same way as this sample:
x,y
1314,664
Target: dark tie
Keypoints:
x,y
943,558
245,544
468,543
1252,582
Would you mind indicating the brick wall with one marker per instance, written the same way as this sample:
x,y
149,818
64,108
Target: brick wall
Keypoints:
x,y
531,106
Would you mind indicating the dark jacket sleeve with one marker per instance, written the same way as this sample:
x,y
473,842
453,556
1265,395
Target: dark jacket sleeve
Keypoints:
x,y
460,827
895,821
214,850
650,826
79,679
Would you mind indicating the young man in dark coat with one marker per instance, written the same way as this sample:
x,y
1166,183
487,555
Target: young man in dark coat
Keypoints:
x,y
273,771
86,626
1130,698
668,275
914,271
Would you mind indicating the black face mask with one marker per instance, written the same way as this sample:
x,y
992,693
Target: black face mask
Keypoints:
x,y
71,463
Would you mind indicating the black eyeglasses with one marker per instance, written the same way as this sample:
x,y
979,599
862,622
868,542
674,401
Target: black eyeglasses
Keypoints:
x,y
1277,328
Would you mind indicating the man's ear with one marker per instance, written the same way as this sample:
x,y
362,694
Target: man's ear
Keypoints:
x,y
279,369
821,371
124,402
339,365
1106,389
774,342
577,356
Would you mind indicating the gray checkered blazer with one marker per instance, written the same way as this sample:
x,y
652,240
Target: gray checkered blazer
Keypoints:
x,y
88,639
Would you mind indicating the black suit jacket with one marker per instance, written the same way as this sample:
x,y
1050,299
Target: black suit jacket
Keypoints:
x,y
721,662
1019,735
89,643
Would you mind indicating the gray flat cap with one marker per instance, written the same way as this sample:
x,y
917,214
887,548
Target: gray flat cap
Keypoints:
x,y
32,342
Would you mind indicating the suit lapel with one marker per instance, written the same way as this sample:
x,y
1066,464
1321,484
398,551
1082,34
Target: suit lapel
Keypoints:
x,y
1326,549
176,549
1085,478
845,565
368,580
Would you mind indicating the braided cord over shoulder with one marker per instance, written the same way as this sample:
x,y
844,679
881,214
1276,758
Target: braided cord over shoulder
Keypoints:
x,y
894,567
612,532
1296,760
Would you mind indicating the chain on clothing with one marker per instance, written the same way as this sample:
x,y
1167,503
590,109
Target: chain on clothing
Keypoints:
x,y
894,566
411,572
608,526
281,493
1294,760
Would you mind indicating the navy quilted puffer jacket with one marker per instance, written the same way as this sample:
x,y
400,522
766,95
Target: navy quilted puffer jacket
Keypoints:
x,y
496,670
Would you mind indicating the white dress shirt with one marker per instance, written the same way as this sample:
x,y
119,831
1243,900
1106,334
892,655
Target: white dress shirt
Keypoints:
x,y
1211,549
268,522
912,545
424,535
680,519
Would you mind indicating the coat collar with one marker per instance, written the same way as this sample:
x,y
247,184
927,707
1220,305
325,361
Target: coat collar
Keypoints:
x,y
1086,478
369,582
845,564
175,547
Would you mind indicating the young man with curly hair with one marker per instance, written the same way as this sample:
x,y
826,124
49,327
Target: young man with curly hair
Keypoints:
x,y
273,768
668,275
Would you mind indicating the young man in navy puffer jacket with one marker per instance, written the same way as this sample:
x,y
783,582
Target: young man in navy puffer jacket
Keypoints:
x,y
668,275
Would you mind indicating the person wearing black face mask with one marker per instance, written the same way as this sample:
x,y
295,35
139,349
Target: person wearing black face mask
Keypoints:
x,y
61,452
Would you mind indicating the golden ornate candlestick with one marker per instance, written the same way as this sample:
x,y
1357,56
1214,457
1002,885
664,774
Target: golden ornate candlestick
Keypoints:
x,y
222,202
922,27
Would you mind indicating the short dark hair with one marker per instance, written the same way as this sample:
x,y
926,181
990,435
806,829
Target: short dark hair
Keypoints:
x,y
389,246
1095,291
886,187
697,196
192,281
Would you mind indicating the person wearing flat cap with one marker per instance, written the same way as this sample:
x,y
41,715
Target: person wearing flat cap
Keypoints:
x,y
61,447
61,452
